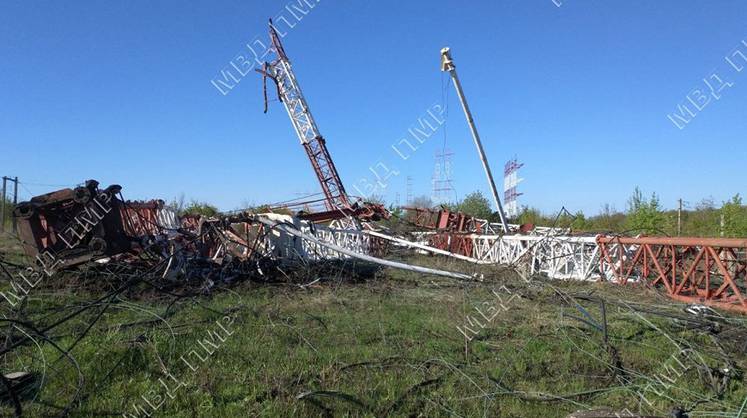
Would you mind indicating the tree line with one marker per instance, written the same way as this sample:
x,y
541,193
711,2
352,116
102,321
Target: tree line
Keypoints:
x,y
643,215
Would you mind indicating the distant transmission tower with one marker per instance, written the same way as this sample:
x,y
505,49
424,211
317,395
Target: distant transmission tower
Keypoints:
x,y
408,190
443,190
510,181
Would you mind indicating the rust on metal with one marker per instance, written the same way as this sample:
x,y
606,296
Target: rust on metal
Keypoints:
x,y
710,271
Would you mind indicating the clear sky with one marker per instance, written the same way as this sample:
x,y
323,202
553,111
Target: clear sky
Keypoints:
x,y
125,92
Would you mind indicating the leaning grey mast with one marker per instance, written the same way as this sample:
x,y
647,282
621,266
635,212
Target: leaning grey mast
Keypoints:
x,y
447,64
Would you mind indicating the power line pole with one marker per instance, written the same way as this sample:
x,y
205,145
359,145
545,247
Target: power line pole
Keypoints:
x,y
15,202
679,217
6,179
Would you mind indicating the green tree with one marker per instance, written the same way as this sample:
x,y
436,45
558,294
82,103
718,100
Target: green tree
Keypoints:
x,y
579,222
703,221
563,220
644,215
735,217
476,205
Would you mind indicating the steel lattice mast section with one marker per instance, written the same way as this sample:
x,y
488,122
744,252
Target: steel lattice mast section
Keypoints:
x,y
303,122
447,64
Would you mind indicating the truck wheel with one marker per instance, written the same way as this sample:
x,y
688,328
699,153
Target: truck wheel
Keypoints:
x,y
97,246
81,195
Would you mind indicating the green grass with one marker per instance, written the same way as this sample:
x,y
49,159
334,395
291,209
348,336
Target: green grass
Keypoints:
x,y
388,345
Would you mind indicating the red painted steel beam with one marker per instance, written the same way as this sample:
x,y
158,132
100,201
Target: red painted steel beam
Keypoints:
x,y
709,271
679,241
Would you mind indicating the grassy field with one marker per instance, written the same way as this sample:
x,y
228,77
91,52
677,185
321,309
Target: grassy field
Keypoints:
x,y
393,344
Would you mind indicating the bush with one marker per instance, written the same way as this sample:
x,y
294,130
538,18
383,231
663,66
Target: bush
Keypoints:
x,y
200,208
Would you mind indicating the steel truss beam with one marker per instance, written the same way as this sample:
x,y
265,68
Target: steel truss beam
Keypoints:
x,y
712,271
305,126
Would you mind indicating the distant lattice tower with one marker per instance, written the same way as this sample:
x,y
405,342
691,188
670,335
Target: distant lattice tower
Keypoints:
x,y
443,189
408,190
510,181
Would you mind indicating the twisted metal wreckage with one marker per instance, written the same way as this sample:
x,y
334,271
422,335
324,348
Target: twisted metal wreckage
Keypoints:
x,y
711,271
72,226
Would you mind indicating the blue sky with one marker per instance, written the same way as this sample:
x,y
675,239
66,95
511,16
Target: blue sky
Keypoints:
x,y
121,92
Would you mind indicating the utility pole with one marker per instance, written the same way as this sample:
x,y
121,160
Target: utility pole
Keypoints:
x,y
15,202
2,206
447,64
679,217
2,203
